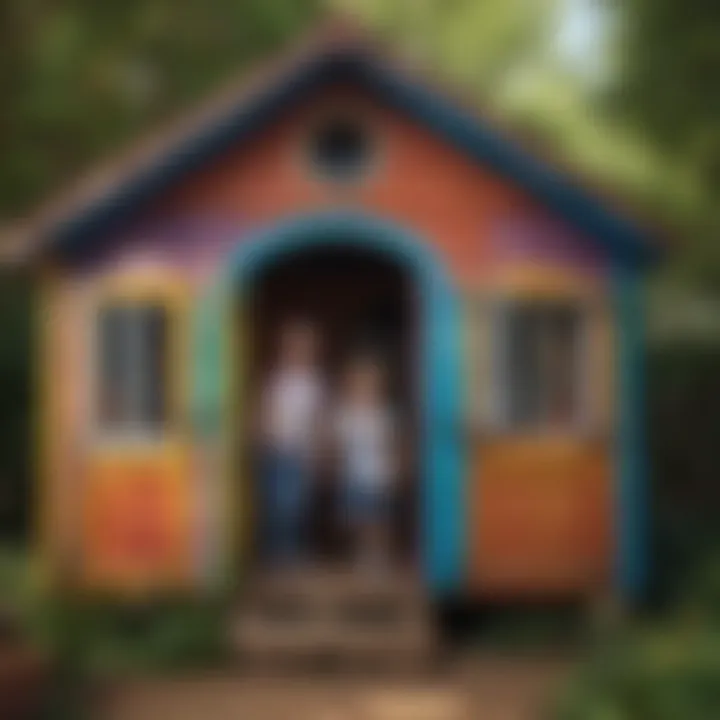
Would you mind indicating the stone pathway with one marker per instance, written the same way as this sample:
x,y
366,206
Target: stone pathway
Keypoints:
x,y
484,688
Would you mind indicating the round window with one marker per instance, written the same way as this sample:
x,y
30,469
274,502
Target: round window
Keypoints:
x,y
340,149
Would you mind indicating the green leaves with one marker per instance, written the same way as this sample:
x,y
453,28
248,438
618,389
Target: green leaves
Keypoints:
x,y
79,79
663,674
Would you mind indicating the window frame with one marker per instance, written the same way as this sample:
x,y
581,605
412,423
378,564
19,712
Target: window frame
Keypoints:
x,y
501,341
367,121
156,291
489,395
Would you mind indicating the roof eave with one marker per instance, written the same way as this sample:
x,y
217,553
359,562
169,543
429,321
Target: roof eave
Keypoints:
x,y
624,239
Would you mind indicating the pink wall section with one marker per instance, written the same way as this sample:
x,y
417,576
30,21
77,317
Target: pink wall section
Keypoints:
x,y
537,238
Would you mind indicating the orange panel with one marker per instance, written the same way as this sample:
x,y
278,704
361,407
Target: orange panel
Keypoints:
x,y
137,522
541,516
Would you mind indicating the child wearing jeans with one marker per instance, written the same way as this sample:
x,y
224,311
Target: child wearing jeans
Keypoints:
x,y
289,422
366,435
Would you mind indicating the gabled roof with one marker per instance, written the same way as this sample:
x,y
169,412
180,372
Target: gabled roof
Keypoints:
x,y
336,52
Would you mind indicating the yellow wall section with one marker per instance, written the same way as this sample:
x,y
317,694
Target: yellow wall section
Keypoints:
x,y
60,345
123,545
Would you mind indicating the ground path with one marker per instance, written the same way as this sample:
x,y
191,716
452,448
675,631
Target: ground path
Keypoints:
x,y
480,688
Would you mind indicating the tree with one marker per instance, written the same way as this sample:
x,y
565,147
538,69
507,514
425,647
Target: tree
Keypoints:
x,y
668,79
79,78
479,43
666,86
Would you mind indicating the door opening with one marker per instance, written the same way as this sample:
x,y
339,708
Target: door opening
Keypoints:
x,y
360,301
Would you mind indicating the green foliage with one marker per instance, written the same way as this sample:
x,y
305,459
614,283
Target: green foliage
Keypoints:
x,y
478,42
15,583
670,668
683,431
665,87
668,81
661,669
16,419
79,78
95,635
666,673
153,636
83,639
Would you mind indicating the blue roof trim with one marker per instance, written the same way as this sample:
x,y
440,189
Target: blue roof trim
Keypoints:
x,y
620,237
249,116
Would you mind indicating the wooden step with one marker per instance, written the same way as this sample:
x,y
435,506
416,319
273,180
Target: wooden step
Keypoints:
x,y
338,615
333,588
358,612
271,645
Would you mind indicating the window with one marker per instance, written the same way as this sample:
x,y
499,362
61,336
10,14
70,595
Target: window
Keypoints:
x,y
340,148
541,365
132,357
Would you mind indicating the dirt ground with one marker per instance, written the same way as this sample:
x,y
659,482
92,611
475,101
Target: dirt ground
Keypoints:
x,y
486,688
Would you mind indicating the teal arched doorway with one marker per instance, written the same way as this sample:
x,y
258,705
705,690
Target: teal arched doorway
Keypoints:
x,y
443,468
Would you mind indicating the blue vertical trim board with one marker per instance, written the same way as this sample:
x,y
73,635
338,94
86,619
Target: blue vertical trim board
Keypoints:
x,y
445,509
444,471
631,567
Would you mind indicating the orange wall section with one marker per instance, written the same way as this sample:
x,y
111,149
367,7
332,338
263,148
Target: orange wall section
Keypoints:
x,y
540,512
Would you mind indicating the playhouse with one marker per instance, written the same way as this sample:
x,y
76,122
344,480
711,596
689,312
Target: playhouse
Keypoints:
x,y
339,183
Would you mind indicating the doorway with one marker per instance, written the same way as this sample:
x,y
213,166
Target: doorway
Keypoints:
x,y
361,301
441,447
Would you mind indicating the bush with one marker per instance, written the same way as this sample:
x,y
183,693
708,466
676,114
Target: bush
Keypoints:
x,y
683,432
112,638
662,670
668,673
669,668
92,638
87,639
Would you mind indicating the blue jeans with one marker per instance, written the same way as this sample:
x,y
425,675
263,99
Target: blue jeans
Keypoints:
x,y
366,505
285,484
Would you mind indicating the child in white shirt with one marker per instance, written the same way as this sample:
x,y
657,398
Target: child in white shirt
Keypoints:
x,y
292,401
366,433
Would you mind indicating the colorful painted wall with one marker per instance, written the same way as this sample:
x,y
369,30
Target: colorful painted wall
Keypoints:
x,y
540,508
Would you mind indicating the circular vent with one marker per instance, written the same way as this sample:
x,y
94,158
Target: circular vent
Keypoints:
x,y
340,149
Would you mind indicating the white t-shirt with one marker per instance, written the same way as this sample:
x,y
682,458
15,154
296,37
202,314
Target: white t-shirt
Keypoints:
x,y
366,436
291,409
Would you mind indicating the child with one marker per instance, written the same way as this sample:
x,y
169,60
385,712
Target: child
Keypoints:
x,y
367,445
290,412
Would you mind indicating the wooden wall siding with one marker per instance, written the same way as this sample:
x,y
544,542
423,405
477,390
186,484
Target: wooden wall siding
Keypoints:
x,y
136,521
491,235
541,510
